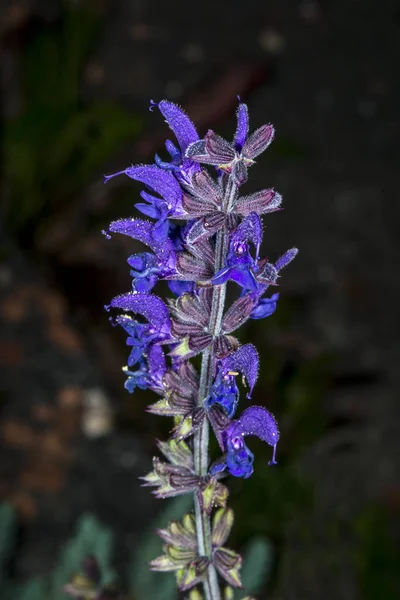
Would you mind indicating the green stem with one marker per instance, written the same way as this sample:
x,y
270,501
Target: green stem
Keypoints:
x,y
201,437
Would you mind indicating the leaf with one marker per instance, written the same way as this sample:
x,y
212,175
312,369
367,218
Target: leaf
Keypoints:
x,y
34,589
91,538
257,565
144,583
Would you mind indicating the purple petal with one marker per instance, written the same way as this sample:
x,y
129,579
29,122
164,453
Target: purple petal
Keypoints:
x,y
148,210
179,122
143,231
244,277
135,355
258,421
160,232
149,306
265,308
258,141
242,128
222,276
265,201
159,180
286,258
156,363
180,287
250,229
246,361
138,229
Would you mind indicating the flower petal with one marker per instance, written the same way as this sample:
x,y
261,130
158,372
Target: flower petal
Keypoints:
x,y
242,128
159,180
265,308
257,421
143,231
179,122
246,361
286,258
149,306
250,229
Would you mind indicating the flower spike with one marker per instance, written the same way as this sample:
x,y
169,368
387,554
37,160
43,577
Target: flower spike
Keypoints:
x,y
200,234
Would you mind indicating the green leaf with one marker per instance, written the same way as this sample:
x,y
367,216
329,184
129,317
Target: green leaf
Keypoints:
x,y
257,565
35,589
91,538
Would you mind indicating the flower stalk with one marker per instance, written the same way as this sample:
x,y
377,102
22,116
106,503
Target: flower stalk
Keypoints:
x,y
201,437
203,235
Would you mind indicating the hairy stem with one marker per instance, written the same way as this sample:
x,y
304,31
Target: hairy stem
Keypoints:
x,y
201,438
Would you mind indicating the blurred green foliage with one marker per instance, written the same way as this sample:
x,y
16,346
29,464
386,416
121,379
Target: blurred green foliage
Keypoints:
x,y
57,142
93,539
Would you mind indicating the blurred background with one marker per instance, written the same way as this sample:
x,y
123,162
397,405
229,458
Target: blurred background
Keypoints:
x,y
77,78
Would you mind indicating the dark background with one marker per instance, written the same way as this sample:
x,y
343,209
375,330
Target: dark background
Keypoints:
x,y
76,83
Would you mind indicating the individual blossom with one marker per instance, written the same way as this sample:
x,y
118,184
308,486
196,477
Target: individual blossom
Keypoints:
x,y
234,157
147,268
238,460
240,265
252,274
224,390
150,372
185,132
141,336
160,182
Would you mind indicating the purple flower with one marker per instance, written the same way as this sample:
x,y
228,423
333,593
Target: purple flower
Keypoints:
x,y
265,307
163,183
181,287
142,336
224,390
233,158
150,372
146,268
240,266
238,461
181,166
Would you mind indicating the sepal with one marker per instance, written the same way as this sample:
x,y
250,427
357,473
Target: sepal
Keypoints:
x,y
178,453
189,424
228,564
223,345
211,493
163,564
180,535
170,480
192,574
262,202
219,422
180,555
221,526
195,595
238,313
